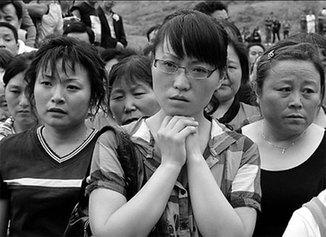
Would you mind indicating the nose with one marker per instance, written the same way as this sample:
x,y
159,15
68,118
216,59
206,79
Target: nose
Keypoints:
x,y
181,81
23,100
57,95
129,105
295,100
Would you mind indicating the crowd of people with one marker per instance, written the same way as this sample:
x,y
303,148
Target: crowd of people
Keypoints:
x,y
200,133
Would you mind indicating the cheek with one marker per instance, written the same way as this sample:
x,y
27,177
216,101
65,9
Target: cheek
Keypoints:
x,y
116,108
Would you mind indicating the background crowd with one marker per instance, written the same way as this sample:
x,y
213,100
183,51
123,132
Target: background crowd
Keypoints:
x,y
206,130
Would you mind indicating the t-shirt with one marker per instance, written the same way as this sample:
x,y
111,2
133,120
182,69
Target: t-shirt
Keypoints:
x,y
232,158
43,188
287,190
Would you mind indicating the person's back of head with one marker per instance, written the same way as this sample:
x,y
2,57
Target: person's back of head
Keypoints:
x,y
151,33
216,9
80,31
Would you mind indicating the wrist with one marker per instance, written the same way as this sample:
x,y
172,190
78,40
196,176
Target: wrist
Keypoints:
x,y
171,166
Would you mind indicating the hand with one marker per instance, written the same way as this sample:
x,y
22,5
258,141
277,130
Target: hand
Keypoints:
x,y
119,46
171,138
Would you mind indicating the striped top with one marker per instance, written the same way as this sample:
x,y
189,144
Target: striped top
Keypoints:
x,y
233,160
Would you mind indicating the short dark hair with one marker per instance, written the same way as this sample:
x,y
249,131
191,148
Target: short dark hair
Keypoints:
x,y
72,52
231,29
80,27
288,50
195,34
5,57
132,68
17,5
151,29
209,7
12,28
18,64
313,38
109,54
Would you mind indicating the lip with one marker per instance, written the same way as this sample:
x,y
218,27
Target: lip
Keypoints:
x,y
179,98
295,116
23,111
57,110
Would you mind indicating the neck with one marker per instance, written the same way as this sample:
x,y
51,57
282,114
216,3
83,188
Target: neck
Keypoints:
x,y
223,108
21,127
275,135
64,136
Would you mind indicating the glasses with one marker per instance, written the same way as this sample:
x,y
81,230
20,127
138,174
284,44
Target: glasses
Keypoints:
x,y
195,72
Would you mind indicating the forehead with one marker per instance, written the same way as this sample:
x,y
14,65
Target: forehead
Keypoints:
x,y
62,68
5,31
8,10
17,80
297,70
256,48
128,83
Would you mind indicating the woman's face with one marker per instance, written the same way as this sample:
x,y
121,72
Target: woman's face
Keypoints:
x,y
130,101
62,100
232,82
177,93
290,96
17,102
254,52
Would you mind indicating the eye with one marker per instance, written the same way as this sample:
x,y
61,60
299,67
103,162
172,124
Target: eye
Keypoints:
x,y
168,64
199,69
284,89
117,97
308,91
46,83
72,87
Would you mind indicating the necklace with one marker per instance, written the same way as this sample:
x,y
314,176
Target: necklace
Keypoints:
x,y
283,149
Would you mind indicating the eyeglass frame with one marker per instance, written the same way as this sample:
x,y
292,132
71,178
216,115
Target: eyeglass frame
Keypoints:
x,y
185,68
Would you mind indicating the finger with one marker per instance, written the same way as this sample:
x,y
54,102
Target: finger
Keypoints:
x,y
186,131
176,118
166,121
182,123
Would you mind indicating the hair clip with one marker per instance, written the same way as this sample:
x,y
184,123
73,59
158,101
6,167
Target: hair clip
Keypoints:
x,y
270,55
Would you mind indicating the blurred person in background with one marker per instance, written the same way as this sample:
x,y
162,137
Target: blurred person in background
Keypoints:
x,y
228,105
11,12
5,58
22,116
215,9
131,93
80,31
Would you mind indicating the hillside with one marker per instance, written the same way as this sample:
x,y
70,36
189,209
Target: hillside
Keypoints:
x,y
140,15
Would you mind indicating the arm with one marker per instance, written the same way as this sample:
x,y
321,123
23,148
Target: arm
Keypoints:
x,y
213,213
122,39
28,25
112,215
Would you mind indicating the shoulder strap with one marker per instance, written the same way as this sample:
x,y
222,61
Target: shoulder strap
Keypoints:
x,y
318,211
97,135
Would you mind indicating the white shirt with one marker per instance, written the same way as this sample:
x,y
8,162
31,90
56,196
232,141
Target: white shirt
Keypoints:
x,y
302,222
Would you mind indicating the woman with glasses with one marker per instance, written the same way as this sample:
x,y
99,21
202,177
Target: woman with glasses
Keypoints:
x,y
199,177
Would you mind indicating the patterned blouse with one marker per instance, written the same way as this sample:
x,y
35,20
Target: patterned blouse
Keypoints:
x,y
233,159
